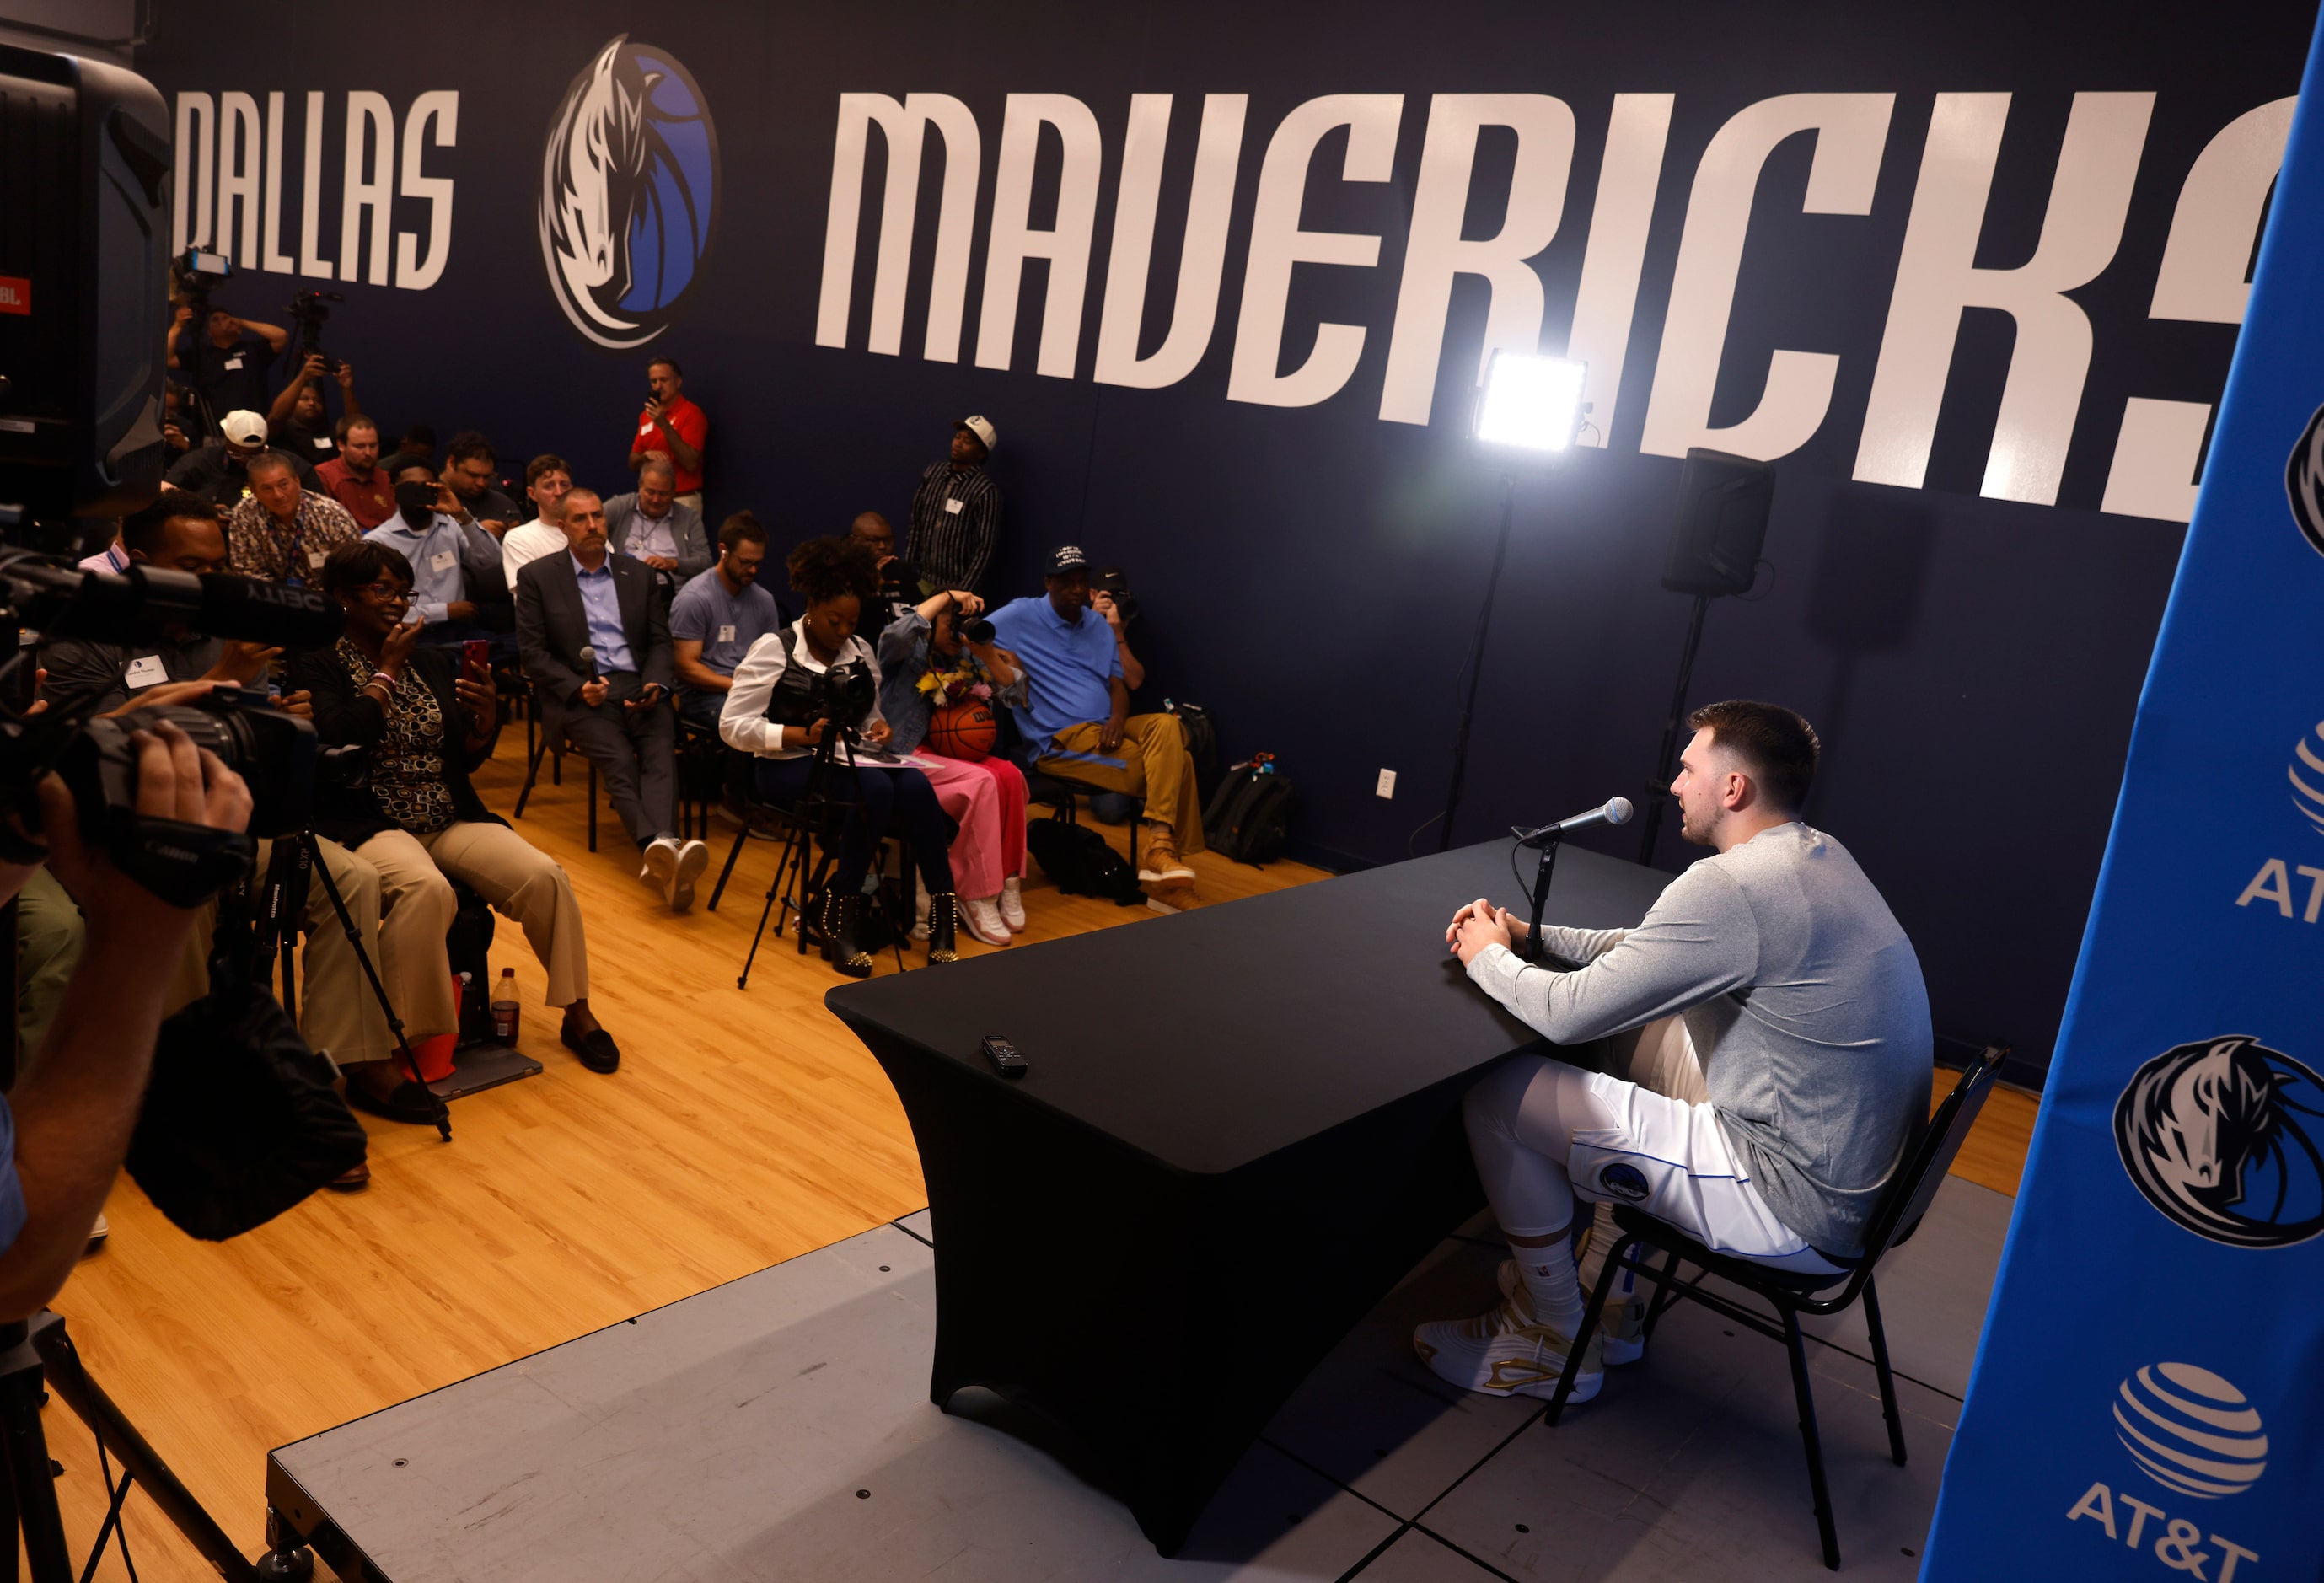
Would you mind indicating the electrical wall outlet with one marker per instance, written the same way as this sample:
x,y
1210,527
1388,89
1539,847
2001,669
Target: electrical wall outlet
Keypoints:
x,y
1386,786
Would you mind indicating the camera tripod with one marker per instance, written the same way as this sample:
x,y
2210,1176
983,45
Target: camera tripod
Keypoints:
x,y
296,858
812,814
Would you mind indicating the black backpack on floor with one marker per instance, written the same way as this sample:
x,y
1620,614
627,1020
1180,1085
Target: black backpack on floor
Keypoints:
x,y
1250,814
1079,863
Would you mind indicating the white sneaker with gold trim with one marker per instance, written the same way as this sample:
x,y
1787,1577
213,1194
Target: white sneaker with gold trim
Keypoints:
x,y
1507,1352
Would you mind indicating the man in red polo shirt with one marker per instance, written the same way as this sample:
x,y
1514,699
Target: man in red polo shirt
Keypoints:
x,y
355,478
673,428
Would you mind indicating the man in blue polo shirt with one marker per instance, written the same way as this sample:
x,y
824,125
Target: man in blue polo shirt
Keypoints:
x,y
718,616
1078,723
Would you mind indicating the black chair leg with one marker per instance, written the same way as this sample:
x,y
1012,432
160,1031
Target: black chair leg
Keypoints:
x,y
727,872
1607,1275
533,751
1887,1377
1810,1440
1664,1298
592,805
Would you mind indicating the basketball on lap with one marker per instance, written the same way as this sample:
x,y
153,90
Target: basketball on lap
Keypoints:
x,y
963,730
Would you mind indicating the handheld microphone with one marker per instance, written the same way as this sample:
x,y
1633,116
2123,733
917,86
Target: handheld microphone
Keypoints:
x,y
1617,811
589,658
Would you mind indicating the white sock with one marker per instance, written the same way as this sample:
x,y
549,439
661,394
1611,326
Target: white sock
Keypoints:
x,y
1552,1282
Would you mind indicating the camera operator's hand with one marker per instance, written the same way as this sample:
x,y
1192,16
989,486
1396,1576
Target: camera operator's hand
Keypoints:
x,y
316,366
175,437
1103,602
654,412
175,781
241,663
592,693
181,316
346,375
301,704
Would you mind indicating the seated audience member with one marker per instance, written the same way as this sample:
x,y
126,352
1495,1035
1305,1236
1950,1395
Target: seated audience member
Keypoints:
x,y
218,472
655,526
926,664
114,556
900,584
297,422
417,442
469,467
1771,1119
718,616
426,720
770,711
354,477
547,481
448,557
283,531
1079,718
182,533
596,644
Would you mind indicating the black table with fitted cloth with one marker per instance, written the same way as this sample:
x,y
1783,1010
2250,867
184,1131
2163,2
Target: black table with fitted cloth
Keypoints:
x,y
1240,1128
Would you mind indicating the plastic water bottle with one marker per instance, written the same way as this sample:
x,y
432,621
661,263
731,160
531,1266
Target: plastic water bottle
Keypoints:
x,y
504,1008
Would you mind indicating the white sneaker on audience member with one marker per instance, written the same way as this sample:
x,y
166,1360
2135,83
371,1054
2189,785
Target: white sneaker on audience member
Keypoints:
x,y
98,1234
1621,1324
1012,905
671,867
981,918
1507,1352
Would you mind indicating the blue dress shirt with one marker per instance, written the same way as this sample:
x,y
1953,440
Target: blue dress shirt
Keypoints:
x,y
437,557
601,602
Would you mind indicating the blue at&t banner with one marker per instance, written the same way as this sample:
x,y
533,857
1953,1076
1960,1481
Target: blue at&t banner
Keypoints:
x,y
2148,1403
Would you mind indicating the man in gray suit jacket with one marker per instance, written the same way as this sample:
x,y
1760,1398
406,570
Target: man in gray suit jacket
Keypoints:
x,y
653,526
596,641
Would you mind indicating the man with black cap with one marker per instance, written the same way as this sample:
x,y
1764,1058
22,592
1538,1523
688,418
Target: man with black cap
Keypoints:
x,y
956,512
1078,720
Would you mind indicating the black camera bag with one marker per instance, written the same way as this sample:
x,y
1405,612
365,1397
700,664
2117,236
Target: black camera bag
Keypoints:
x,y
1080,863
1201,746
1249,817
240,1120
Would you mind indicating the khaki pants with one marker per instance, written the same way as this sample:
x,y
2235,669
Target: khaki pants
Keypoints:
x,y
521,882
1660,1057
1152,762
49,936
338,1012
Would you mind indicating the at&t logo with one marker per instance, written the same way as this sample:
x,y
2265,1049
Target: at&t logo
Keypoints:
x,y
628,194
2197,1436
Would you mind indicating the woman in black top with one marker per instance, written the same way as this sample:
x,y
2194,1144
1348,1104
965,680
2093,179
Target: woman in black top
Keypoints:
x,y
427,722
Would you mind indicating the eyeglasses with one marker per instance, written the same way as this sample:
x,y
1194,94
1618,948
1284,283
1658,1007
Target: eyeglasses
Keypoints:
x,y
385,592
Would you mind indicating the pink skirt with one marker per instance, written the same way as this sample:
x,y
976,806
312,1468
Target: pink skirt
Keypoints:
x,y
986,799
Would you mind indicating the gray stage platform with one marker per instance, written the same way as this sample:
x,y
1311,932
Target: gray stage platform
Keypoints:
x,y
779,1427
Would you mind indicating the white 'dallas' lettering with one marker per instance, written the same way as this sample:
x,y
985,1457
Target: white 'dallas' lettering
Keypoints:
x,y
229,194
2172,1541
1937,276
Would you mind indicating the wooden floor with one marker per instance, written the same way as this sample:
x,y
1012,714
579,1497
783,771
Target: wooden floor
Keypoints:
x,y
744,1128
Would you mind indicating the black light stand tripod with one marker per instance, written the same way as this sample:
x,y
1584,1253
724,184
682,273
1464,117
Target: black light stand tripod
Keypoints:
x,y
823,808
297,860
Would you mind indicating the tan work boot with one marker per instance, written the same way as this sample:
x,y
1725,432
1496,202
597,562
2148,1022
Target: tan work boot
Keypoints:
x,y
1158,862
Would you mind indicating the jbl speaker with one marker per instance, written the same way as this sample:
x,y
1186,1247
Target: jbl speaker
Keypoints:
x,y
1722,521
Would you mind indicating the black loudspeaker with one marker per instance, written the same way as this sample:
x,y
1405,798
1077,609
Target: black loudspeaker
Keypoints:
x,y
1722,521
84,286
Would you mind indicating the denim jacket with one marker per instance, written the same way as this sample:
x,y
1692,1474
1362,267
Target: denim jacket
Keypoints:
x,y
904,660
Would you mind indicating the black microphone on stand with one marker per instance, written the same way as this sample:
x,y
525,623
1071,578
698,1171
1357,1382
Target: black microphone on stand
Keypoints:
x,y
1547,838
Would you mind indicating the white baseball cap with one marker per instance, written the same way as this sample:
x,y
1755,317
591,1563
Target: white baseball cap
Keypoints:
x,y
981,427
244,427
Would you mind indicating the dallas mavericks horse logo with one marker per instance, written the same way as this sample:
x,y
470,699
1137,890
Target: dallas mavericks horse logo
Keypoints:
x,y
628,194
2215,1133
2303,482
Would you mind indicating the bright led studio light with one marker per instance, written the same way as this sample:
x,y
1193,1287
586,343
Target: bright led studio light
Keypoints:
x,y
1531,402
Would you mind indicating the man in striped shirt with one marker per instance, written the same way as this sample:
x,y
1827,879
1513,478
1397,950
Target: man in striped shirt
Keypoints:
x,y
956,512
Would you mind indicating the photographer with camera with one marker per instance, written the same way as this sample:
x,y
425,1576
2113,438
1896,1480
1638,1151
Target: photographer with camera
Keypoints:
x,y
219,471
801,697
1079,717
426,720
940,657
283,530
595,644
65,1127
226,360
298,422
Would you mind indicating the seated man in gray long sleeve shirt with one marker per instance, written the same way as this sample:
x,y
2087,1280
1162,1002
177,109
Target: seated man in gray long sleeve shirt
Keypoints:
x,y
1786,1082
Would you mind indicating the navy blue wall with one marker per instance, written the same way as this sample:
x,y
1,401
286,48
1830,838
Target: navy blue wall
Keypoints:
x,y
1314,574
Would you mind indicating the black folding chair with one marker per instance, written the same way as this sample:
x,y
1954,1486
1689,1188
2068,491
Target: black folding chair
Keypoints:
x,y
1898,1216
544,737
